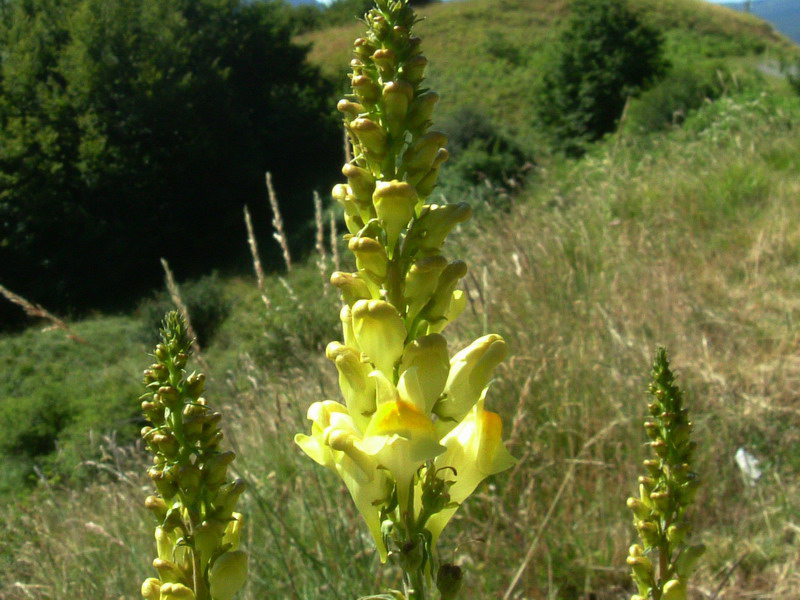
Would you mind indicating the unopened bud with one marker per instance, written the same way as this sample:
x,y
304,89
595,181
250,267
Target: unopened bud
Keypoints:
x,y
397,96
361,181
414,69
421,281
227,575
349,109
686,562
674,589
195,384
394,204
371,257
449,580
411,556
169,572
151,589
421,111
370,136
176,591
367,91
386,60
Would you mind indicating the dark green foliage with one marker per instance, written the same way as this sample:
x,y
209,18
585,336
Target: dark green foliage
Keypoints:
x,y
480,152
605,54
205,300
684,88
58,398
134,129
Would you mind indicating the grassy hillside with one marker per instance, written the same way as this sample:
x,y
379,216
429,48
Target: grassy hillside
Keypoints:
x,y
686,237
499,46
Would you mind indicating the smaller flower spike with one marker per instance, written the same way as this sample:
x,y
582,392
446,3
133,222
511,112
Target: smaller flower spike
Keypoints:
x,y
198,530
662,565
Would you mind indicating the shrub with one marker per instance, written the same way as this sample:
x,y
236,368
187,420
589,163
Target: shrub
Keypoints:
x,y
685,88
205,300
604,55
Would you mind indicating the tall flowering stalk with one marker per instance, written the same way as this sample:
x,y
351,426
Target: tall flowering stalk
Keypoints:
x,y
197,536
662,565
412,439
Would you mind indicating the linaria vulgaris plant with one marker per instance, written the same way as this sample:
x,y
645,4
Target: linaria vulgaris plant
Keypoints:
x,y
412,439
197,536
662,564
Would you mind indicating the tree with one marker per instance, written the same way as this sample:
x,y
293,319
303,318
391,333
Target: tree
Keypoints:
x,y
133,129
605,54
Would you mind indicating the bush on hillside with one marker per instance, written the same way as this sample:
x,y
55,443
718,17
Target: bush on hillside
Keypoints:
x,y
204,299
684,89
134,129
480,152
605,54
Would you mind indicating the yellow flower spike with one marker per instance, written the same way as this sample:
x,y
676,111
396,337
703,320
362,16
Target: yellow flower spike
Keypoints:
x,y
233,531
429,356
371,257
151,589
401,438
394,204
227,575
359,395
353,287
176,591
475,450
380,333
470,371
421,282
438,307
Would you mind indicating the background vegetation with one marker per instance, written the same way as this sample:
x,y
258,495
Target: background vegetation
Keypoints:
x,y
680,229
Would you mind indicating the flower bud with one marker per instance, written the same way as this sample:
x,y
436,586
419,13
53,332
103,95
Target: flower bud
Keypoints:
x,y
363,48
176,591
421,111
207,537
353,374
195,384
169,572
380,333
674,589
350,109
648,531
370,136
434,224
642,569
362,183
449,580
470,372
226,498
371,257
418,159
228,574
639,508
662,501
686,562
353,287
215,469
429,356
438,306
157,506
428,182
414,69
151,589
394,204
367,91
386,60
165,543
677,532
397,96
233,531
421,281
346,319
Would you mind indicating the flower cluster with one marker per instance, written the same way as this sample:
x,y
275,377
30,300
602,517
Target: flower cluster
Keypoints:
x,y
197,536
664,495
412,439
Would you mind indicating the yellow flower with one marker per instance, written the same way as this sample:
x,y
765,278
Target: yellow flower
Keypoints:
x,y
401,438
332,444
475,450
470,372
